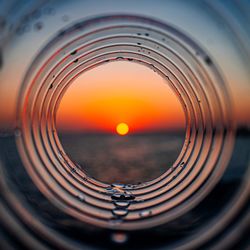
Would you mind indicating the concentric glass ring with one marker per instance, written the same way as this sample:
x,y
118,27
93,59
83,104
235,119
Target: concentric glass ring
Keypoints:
x,y
187,68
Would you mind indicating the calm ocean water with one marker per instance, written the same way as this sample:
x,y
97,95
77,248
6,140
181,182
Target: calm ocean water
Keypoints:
x,y
123,159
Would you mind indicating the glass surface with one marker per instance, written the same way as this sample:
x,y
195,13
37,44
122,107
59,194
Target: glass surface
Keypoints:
x,y
124,124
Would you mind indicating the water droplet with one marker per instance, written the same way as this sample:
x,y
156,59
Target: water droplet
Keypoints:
x,y
115,221
80,197
118,190
76,60
122,196
119,237
139,200
73,52
65,18
85,179
129,186
60,156
110,189
38,26
120,212
51,86
118,185
122,204
73,170
18,132
119,58
146,34
138,43
117,196
208,60
145,213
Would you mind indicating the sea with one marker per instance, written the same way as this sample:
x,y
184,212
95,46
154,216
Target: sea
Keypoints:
x,y
123,159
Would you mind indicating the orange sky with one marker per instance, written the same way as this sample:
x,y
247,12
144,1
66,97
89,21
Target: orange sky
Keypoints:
x,y
120,92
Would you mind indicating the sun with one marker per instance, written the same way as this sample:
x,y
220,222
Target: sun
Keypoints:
x,y
122,128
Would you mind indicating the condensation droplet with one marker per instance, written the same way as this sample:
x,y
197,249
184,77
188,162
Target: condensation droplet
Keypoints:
x,y
115,221
129,186
122,204
118,185
38,26
85,179
122,196
18,132
60,156
110,189
80,197
73,52
145,213
120,212
208,60
73,170
119,237
65,18
174,177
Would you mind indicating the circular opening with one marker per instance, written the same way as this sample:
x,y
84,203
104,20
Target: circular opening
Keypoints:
x,y
121,123
180,62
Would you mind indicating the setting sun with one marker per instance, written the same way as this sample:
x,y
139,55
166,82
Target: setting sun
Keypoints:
x,y
122,129
120,92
